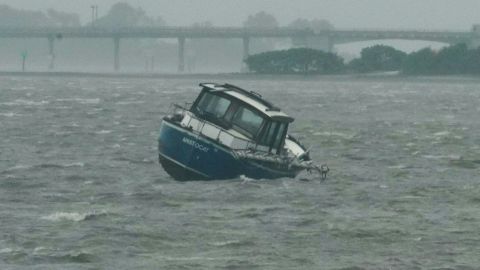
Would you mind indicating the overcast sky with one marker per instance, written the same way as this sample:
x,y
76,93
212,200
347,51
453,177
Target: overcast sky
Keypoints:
x,y
422,14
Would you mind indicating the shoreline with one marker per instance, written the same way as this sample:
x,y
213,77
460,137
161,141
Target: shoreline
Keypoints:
x,y
371,76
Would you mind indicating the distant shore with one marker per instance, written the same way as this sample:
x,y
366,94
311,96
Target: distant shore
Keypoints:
x,y
238,76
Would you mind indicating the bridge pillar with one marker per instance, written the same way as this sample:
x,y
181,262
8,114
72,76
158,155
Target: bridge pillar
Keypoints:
x,y
116,53
51,52
475,41
246,53
181,54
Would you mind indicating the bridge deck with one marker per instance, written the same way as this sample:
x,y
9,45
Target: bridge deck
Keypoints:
x,y
220,32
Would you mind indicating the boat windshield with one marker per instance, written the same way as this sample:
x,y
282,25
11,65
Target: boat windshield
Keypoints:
x,y
213,105
248,121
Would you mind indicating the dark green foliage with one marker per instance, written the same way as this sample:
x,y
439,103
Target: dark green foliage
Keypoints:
x,y
456,59
122,14
420,62
294,61
452,60
378,58
11,17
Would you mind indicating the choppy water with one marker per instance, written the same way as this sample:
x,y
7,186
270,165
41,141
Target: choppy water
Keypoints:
x,y
80,187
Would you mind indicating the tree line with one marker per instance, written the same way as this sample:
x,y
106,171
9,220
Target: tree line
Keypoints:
x,y
455,59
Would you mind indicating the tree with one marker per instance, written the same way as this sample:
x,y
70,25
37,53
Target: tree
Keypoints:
x,y
300,24
319,25
63,19
455,59
124,15
473,61
315,25
421,62
261,20
10,17
379,58
295,61
452,60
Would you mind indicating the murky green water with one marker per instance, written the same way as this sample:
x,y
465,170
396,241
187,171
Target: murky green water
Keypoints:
x,y
80,187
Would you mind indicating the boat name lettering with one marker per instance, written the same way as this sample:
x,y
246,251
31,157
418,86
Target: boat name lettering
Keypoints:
x,y
195,144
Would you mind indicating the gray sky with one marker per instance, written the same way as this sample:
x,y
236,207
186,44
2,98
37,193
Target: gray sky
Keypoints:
x,y
418,14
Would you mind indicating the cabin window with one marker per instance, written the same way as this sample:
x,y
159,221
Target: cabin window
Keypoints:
x,y
213,105
273,135
279,136
248,121
267,137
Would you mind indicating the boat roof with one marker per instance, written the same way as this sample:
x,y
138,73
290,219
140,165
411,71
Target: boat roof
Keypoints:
x,y
250,97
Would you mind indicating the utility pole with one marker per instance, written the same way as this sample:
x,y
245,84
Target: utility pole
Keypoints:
x,y
94,14
24,58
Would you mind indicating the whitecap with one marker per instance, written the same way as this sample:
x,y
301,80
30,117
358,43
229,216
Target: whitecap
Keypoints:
x,y
100,132
451,157
6,250
399,166
246,179
25,102
81,100
441,133
39,250
18,168
9,114
129,102
334,134
74,164
73,216
59,216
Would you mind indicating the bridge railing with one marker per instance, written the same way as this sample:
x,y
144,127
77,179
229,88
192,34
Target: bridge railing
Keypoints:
x,y
161,31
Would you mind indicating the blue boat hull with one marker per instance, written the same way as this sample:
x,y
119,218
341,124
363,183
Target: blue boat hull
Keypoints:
x,y
188,156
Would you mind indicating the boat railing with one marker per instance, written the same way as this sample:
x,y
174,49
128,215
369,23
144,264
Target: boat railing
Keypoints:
x,y
217,133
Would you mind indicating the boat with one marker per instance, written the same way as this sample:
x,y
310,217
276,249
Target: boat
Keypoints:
x,y
228,132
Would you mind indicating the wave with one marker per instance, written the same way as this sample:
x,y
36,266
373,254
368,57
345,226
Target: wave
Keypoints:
x,y
22,167
81,100
129,102
60,166
101,132
10,114
234,243
74,216
25,102
335,134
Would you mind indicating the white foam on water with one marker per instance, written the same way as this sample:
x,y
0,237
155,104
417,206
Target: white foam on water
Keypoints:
x,y
101,132
38,250
334,134
72,216
129,102
246,179
62,216
81,100
10,114
74,164
399,166
24,102
19,167
442,133
226,243
436,157
6,250
192,258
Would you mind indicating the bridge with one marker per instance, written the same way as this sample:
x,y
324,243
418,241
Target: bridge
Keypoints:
x,y
323,40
